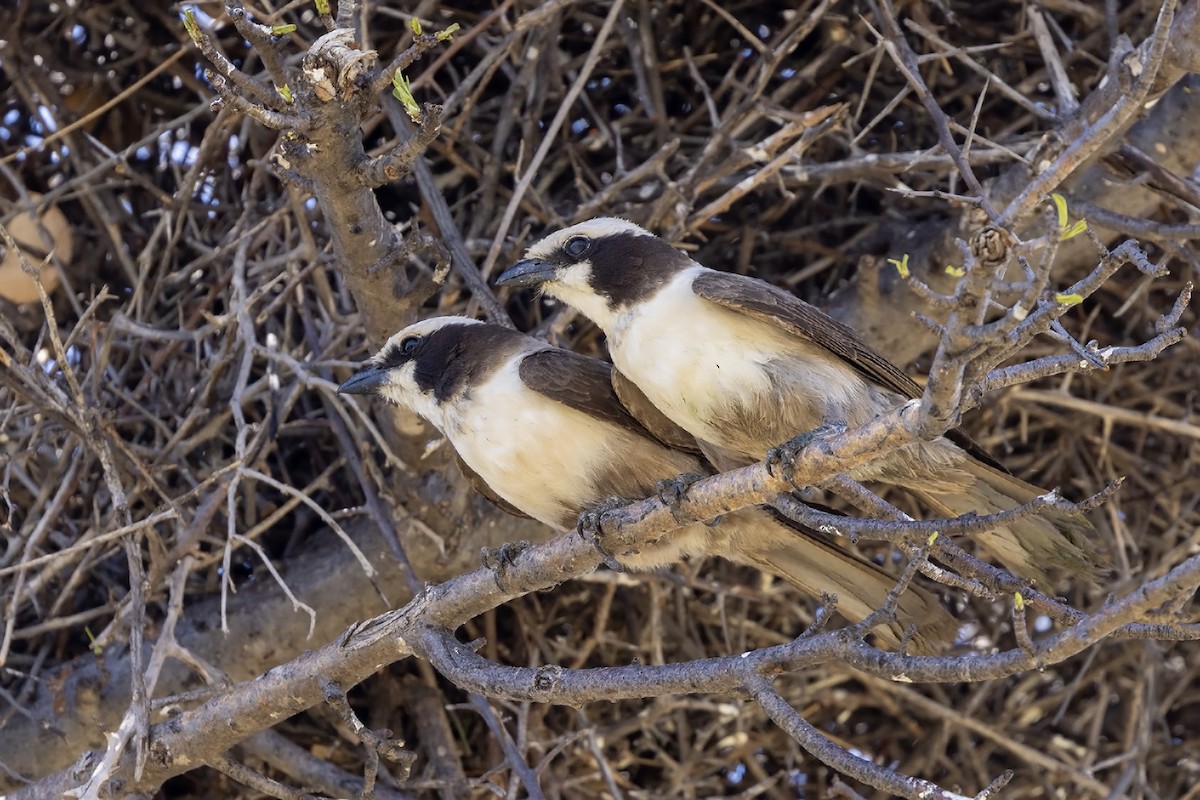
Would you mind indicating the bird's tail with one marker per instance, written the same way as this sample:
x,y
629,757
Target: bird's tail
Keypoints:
x,y
1026,546
813,564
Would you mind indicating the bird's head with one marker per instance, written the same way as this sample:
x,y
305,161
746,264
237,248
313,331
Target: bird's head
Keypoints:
x,y
600,267
426,365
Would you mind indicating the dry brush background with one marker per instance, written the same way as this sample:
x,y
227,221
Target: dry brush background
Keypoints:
x,y
205,326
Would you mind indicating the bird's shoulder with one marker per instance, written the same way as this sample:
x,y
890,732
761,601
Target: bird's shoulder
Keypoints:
x,y
763,301
576,381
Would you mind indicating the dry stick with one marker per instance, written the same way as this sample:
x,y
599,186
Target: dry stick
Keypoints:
x,y
593,746
557,685
421,45
336,414
988,730
1161,178
906,60
1092,138
883,113
137,721
866,500
554,684
551,134
275,120
459,41
264,43
512,754
1136,226
367,568
460,256
1067,104
136,724
714,116
65,491
824,750
759,176
104,538
306,769
90,117
256,780
736,24
490,63
961,54
647,71
399,161
375,743
65,621
651,167
1120,415
427,709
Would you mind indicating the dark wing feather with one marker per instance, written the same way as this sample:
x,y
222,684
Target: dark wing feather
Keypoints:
x,y
481,486
650,417
771,304
578,382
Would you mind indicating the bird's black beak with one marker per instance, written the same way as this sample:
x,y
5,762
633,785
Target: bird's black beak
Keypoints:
x,y
365,381
530,272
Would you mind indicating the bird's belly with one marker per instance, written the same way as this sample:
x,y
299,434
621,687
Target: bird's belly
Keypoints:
x,y
507,447
552,461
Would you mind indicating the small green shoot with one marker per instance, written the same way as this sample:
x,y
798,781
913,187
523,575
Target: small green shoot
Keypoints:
x,y
1066,227
901,265
191,26
402,91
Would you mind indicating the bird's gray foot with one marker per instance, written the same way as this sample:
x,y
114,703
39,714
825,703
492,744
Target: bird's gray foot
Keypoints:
x,y
673,491
588,527
781,460
499,559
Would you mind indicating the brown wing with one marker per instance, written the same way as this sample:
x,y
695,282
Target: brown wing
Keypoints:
x,y
481,486
578,382
653,420
763,301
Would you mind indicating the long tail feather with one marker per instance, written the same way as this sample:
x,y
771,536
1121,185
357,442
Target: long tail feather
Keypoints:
x,y
815,565
1029,545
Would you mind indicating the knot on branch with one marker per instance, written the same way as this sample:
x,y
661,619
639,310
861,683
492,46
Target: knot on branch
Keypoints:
x,y
335,63
991,245
548,679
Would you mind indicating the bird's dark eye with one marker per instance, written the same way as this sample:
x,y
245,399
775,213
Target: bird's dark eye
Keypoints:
x,y
408,345
577,246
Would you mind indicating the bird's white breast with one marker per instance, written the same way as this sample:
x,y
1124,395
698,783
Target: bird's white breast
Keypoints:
x,y
530,450
700,363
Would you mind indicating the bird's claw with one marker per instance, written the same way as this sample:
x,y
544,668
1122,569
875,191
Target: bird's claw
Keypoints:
x,y
781,460
589,528
673,491
499,559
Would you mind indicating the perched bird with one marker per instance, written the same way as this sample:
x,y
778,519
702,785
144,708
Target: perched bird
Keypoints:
x,y
744,367
540,431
